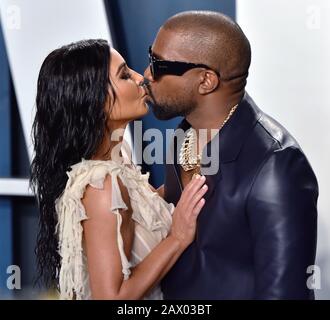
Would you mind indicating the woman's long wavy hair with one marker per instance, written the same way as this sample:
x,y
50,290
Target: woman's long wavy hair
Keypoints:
x,y
70,124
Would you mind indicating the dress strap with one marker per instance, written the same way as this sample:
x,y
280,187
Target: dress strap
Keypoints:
x,y
116,198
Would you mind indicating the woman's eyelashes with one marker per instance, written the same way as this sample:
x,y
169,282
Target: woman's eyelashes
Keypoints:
x,y
126,75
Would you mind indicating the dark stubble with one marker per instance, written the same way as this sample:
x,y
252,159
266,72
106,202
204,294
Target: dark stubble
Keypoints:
x,y
176,105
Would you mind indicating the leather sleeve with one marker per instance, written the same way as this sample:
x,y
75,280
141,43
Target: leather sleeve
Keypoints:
x,y
282,214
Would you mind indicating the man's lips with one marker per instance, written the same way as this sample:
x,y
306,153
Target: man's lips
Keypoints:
x,y
148,91
144,87
145,92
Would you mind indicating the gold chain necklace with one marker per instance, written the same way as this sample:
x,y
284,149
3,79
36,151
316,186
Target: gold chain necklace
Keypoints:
x,y
189,159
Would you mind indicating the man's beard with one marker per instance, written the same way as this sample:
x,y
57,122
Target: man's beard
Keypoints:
x,y
174,107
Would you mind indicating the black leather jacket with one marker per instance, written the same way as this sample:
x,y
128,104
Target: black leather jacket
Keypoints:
x,y
256,234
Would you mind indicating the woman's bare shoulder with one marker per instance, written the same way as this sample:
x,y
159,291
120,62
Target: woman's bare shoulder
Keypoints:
x,y
98,200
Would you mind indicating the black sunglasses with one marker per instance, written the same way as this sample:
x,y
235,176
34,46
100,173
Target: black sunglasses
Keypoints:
x,y
159,67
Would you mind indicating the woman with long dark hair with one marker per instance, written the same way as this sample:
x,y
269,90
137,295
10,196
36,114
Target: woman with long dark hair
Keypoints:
x,y
104,232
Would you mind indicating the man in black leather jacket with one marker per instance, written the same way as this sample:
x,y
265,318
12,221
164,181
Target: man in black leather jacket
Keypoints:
x,y
256,235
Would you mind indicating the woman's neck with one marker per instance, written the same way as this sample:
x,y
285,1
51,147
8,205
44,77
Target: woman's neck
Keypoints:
x,y
110,148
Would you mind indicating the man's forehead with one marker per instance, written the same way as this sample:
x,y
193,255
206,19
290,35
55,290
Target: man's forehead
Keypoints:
x,y
170,45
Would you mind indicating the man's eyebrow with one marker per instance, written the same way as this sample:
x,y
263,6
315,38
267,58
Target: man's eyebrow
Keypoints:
x,y
157,56
121,67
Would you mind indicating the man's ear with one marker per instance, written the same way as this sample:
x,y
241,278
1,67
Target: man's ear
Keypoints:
x,y
209,82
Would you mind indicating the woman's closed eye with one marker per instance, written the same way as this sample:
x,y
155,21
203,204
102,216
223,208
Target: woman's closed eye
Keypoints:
x,y
125,75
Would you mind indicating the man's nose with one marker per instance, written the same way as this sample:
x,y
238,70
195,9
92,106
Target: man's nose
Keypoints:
x,y
147,74
145,82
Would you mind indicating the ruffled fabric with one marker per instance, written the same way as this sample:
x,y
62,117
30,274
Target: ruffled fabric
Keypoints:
x,y
150,211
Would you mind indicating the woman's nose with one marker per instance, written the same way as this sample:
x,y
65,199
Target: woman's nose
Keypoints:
x,y
138,78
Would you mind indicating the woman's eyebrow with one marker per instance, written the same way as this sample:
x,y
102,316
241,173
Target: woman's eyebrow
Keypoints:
x,y
121,67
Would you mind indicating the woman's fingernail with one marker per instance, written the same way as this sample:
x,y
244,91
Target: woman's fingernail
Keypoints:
x,y
204,186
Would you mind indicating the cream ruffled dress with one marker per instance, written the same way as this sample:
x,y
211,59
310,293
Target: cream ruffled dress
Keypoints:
x,y
152,214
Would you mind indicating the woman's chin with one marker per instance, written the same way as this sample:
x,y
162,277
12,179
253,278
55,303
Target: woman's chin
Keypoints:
x,y
142,111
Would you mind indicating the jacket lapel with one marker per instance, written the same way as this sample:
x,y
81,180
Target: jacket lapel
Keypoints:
x,y
226,144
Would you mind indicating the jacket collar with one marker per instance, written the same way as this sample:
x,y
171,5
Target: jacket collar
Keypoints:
x,y
234,133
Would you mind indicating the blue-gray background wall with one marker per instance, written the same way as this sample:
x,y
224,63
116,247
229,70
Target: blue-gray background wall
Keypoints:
x,y
18,215
134,25
6,248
